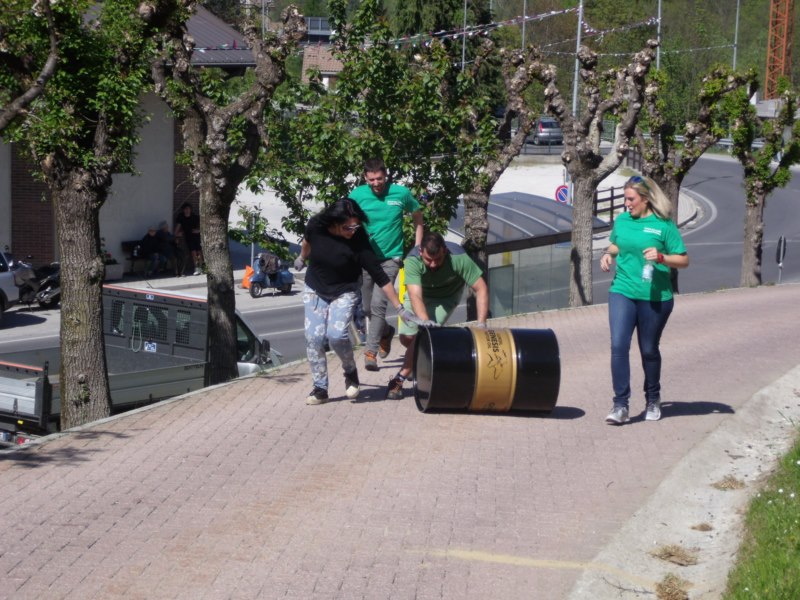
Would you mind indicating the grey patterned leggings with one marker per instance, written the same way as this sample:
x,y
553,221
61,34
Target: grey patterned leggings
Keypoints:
x,y
331,321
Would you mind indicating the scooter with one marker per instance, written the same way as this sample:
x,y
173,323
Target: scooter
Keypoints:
x,y
42,285
270,272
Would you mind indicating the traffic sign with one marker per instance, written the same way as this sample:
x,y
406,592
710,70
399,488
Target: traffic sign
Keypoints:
x,y
562,194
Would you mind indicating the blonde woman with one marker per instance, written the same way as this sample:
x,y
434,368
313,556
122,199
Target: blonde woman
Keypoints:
x,y
645,243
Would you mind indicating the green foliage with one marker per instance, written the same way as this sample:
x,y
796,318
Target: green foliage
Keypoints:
x,y
24,46
415,114
229,11
103,71
253,228
769,559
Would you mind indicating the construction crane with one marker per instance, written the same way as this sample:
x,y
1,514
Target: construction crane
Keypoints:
x,y
779,45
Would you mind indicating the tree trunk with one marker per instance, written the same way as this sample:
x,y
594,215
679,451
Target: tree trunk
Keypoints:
x,y
580,263
83,378
753,240
222,353
671,186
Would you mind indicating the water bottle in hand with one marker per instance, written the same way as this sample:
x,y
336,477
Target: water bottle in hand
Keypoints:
x,y
647,271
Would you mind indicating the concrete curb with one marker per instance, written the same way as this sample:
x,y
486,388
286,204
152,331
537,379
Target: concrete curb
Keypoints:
x,y
746,446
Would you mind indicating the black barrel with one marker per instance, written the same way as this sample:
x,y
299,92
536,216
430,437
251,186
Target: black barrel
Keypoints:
x,y
494,370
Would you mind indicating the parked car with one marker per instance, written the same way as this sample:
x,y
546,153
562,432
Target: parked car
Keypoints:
x,y
546,130
9,294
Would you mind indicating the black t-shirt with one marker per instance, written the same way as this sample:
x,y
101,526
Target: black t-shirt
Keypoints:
x,y
188,224
335,263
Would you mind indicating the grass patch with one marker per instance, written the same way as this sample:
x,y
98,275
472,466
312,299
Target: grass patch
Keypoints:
x,y
768,565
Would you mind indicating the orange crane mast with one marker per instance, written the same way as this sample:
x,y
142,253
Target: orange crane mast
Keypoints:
x,y
779,45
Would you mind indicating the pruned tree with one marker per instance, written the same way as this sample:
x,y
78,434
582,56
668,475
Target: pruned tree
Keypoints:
x,y
28,54
618,93
520,70
664,159
222,135
765,168
79,132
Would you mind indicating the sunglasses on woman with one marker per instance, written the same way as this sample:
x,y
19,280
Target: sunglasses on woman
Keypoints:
x,y
637,179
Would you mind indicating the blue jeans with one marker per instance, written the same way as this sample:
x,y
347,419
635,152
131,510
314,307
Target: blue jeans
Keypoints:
x,y
649,319
331,321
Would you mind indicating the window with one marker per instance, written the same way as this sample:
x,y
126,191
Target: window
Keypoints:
x,y
183,319
150,322
116,325
246,343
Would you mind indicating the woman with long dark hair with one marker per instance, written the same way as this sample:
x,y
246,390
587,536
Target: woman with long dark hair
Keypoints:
x,y
337,249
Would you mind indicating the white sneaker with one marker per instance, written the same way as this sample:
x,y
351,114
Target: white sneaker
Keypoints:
x,y
653,411
197,272
617,416
351,385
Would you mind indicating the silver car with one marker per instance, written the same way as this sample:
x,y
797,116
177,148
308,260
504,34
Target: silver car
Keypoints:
x,y
9,293
546,130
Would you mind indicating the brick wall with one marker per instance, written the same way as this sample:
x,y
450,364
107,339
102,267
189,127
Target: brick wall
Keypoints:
x,y
32,220
184,189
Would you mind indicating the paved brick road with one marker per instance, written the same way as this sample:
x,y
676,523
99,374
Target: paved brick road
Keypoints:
x,y
243,491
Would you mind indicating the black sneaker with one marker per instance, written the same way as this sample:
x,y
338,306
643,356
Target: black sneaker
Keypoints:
x,y
351,385
317,396
395,389
385,344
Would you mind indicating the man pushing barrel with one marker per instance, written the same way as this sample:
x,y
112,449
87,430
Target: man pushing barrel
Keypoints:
x,y
435,281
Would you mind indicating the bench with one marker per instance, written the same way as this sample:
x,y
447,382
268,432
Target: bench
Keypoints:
x,y
127,251
138,264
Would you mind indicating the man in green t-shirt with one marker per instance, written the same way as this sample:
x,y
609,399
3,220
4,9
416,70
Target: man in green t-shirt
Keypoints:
x,y
385,204
435,281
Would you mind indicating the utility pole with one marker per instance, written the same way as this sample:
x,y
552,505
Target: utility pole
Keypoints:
x,y
736,35
658,37
577,62
464,38
524,19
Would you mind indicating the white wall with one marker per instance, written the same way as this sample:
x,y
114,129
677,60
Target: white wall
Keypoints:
x,y
138,201
5,195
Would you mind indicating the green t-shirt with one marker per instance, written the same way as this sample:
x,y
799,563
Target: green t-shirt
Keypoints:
x,y
448,280
632,236
385,213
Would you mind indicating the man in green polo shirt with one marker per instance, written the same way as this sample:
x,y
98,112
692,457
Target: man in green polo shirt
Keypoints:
x,y
435,282
385,204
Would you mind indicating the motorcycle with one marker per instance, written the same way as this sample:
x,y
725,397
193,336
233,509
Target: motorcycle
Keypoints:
x,y
270,272
42,285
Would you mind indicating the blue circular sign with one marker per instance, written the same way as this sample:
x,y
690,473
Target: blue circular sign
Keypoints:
x,y
562,194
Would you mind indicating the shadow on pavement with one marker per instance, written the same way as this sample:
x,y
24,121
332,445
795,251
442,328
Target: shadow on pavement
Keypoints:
x,y
701,407
24,457
22,317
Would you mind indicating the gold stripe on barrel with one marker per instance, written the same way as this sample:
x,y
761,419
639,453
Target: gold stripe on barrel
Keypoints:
x,y
495,370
